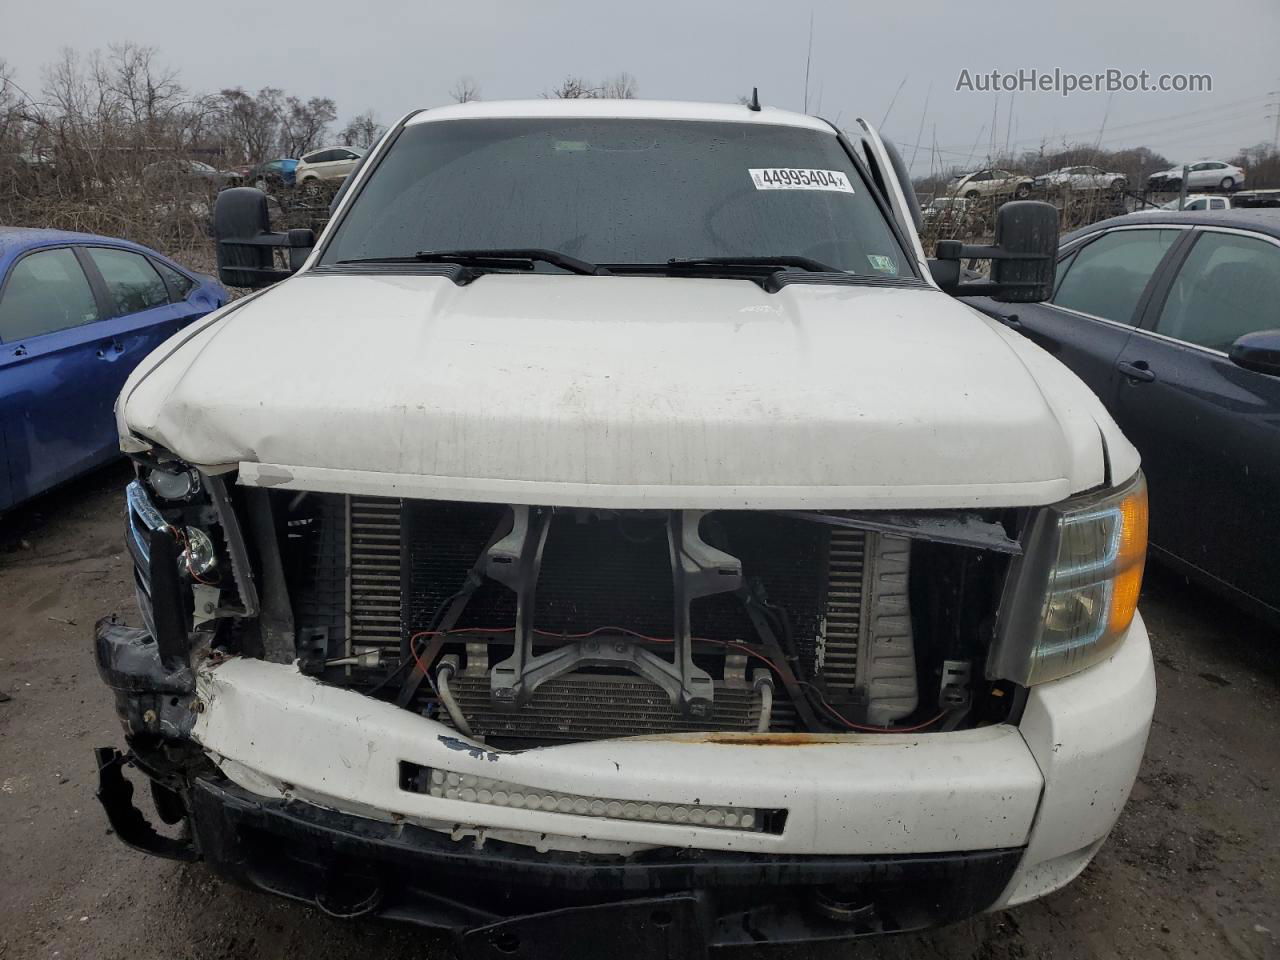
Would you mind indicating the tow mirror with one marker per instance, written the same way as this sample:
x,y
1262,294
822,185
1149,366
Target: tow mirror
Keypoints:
x,y
1023,257
1259,352
246,244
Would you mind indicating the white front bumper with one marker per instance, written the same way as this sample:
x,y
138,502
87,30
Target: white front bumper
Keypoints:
x,y
1055,783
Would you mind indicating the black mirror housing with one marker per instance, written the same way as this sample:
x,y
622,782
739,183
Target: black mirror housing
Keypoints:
x,y
1023,257
300,241
245,243
1027,230
1258,351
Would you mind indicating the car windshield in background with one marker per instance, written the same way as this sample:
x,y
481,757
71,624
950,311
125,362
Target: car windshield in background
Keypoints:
x,y
620,192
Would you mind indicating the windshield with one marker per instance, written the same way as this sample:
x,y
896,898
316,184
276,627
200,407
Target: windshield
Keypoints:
x,y
614,191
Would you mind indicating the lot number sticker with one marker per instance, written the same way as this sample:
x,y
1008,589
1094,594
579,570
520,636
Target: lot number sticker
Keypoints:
x,y
798,178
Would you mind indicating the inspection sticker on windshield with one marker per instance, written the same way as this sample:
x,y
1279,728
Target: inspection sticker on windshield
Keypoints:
x,y
798,178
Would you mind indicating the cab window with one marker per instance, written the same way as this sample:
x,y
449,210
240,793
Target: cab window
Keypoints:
x,y
1107,277
1228,286
46,292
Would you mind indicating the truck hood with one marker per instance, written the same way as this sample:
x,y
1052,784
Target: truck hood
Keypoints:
x,y
621,391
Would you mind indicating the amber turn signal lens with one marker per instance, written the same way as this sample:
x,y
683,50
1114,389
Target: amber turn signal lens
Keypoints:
x,y
1131,559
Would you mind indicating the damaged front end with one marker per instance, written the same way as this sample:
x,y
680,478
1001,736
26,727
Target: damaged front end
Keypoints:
x,y
477,717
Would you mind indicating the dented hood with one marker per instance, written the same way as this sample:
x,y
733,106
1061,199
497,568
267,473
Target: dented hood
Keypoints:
x,y
621,391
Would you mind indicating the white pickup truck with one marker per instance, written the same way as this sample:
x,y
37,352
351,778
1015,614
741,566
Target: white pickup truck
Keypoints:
x,y
617,538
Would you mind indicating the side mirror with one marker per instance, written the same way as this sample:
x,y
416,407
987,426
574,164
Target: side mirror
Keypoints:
x,y
1259,352
246,244
1023,257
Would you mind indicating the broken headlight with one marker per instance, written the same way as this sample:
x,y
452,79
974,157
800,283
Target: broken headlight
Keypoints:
x,y
199,556
1071,597
173,482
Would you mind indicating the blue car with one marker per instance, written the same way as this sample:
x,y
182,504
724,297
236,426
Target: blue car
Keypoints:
x,y
273,173
77,314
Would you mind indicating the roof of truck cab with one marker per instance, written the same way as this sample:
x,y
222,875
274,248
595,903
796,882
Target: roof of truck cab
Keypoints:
x,y
619,109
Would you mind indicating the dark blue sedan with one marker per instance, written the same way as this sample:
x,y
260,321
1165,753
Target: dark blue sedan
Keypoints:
x,y
1174,320
77,314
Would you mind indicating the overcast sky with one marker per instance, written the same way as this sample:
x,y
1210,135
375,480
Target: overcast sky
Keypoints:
x,y
395,57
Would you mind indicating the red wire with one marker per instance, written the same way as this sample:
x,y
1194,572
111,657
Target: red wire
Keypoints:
x,y
865,728
860,727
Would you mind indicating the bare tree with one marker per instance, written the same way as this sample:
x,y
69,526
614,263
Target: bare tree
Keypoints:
x,y
623,86
464,90
304,124
251,121
148,94
573,88
13,123
362,131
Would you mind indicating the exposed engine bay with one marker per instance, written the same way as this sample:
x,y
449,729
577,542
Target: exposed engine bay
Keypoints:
x,y
521,626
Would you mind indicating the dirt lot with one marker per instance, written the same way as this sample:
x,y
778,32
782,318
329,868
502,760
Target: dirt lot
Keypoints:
x,y
1192,870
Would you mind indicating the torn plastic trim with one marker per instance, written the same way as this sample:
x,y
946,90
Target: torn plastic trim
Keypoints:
x,y
152,696
130,659
959,528
115,793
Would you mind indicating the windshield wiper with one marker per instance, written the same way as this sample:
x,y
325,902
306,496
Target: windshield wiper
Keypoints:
x,y
514,258
762,263
748,268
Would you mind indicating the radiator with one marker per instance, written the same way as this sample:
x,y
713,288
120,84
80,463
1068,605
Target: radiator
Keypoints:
x,y
837,599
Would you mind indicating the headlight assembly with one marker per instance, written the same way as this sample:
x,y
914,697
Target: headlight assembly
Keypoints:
x,y
1071,597
173,482
199,556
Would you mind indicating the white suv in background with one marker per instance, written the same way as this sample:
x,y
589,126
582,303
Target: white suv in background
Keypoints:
x,y
331,163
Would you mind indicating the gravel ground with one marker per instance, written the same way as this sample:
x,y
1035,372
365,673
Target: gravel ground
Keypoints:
x,y
1192,869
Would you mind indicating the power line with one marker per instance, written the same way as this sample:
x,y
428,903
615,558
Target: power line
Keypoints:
x,y
1169,118
1156,121
1175,133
